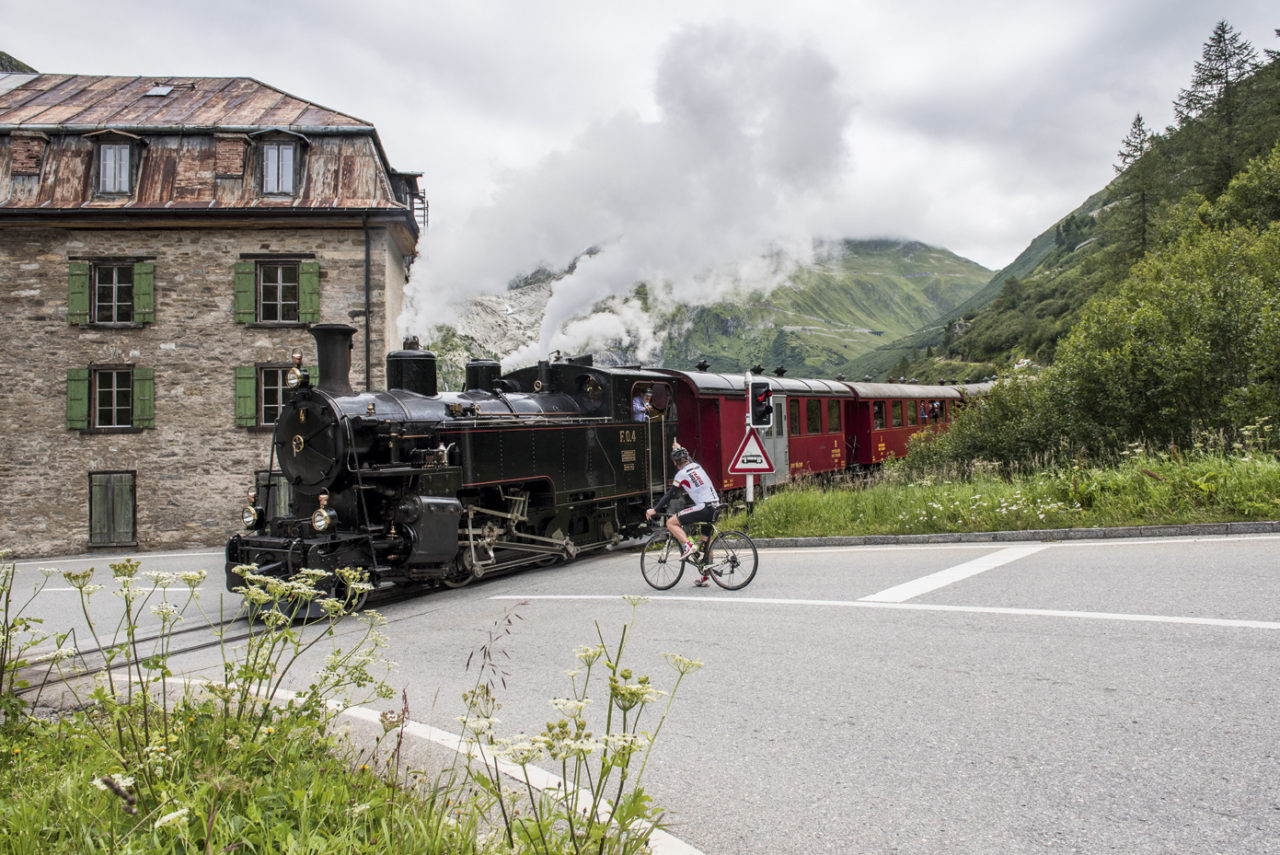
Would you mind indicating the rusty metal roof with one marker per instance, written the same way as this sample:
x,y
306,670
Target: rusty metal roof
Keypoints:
x,y
195,147
76,103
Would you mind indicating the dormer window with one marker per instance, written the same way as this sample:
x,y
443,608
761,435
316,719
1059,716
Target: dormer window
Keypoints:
x,y
278,159
113,168
116,160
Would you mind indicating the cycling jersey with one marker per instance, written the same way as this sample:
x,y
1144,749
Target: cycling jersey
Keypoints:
x,y
691,479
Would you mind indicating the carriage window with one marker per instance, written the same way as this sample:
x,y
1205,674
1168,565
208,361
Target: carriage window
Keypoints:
x,y
813,416
911,411
877,415
793,416
897,413
833,416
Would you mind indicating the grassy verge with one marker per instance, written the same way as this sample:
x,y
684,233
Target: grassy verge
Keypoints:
x,y
1144,488
131,766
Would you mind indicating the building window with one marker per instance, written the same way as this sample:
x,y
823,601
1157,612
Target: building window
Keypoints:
x,y
277,168
111,292
112,508
111,398
113,168
277,291
261,393
273,392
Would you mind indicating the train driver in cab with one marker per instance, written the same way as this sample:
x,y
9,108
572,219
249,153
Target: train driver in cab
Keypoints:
x,y
692,480
642,406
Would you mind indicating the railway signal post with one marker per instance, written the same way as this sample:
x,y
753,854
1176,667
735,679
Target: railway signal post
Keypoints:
x,y
751,458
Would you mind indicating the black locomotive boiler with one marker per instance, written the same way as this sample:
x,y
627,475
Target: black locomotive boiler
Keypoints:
x,y
422,487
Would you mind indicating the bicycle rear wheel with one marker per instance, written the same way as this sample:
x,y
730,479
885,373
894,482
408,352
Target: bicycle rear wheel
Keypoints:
x,y
733,560
660,562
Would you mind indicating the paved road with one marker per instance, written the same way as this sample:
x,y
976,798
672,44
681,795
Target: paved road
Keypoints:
x,y
1083,696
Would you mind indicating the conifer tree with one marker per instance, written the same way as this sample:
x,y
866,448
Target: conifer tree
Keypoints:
x,y
1210,105
1135,191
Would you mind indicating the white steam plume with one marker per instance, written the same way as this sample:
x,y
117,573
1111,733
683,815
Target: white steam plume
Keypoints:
x,y
747,147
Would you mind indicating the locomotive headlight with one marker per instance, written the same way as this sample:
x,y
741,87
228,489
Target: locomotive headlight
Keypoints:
x,y
297,378
251,516
324,519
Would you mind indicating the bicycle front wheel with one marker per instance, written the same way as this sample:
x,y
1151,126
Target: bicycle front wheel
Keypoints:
x,y
660,562
733,560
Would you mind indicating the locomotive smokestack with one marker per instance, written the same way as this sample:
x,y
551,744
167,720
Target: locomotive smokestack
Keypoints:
x,y
333,355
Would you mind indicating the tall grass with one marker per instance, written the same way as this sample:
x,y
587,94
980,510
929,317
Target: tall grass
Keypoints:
x,y
1141,487
137,767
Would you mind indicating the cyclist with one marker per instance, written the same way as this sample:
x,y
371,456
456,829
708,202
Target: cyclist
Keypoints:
x,y
691,479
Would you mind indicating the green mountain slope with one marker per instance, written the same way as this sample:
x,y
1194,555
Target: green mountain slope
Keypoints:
x,y
1227,117
854,297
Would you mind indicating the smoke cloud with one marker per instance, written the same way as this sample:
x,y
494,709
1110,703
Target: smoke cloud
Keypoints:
x,y
723,188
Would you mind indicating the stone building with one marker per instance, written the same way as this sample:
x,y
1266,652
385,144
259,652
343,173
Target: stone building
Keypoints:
x,y
165,244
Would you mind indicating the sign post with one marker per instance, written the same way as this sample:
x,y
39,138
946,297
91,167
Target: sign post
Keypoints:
x,y
751,459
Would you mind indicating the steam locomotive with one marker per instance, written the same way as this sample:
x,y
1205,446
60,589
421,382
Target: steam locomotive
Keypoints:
x,y
422,487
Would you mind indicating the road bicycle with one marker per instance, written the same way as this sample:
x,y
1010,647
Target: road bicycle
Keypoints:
x,y
729,560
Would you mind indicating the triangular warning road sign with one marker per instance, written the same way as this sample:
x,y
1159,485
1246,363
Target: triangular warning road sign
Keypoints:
x,y
750,458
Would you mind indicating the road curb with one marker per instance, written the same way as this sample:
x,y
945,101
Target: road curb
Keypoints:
x,y
1043,535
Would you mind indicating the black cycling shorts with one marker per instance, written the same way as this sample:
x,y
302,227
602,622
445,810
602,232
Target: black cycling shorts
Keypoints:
x,y
698,514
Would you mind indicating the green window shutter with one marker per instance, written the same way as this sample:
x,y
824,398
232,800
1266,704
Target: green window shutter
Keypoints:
x,y
313,374
78,293
309,292
100,513
246,396
144,292
77,398
246,297
144,397
122,509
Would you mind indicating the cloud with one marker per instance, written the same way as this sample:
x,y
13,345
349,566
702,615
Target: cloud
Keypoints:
x,y
740,163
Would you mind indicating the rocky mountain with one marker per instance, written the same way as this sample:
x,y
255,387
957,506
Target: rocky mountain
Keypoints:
x,y
855,296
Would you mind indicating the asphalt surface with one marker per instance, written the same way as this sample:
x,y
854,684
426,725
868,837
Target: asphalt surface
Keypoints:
x,y
1007,692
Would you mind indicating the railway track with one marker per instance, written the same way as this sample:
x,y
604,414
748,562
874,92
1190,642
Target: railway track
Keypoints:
x,y
45,672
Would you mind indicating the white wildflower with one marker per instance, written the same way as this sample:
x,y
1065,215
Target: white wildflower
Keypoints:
x,y
171,818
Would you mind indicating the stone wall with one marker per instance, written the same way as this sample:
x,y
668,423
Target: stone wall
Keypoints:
x,y
194,466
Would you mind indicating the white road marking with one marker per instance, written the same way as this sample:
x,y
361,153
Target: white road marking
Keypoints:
x,y
104,558
926,607
934,581
660,842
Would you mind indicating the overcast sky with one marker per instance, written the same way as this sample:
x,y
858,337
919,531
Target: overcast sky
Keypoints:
x,y
691,136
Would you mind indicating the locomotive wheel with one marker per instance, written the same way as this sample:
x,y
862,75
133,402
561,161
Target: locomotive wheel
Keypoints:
x,y
457,580
459,574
